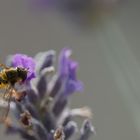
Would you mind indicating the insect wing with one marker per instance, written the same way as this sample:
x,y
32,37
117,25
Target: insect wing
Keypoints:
x,y
5,98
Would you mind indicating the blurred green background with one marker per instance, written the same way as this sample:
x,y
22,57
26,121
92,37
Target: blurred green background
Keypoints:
x,y
107,50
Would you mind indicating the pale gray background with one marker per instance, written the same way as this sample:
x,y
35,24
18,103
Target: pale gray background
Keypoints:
x,y
108,54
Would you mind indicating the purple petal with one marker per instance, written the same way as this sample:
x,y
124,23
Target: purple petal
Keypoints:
x,y
22,60
74,86
67,70
64,61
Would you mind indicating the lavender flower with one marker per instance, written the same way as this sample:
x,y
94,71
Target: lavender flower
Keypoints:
x,y
21,60
44,114
67,69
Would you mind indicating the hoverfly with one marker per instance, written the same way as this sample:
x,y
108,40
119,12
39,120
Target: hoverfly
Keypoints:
x,y
9,76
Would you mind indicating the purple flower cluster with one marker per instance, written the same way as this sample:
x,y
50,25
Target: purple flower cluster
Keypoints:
x,y
44,113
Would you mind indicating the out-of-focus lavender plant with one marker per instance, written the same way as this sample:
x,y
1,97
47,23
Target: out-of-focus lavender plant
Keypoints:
x,y
44,113
75,5
80,11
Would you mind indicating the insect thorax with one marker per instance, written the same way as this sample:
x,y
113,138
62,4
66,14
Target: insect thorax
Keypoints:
x,y
11,75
